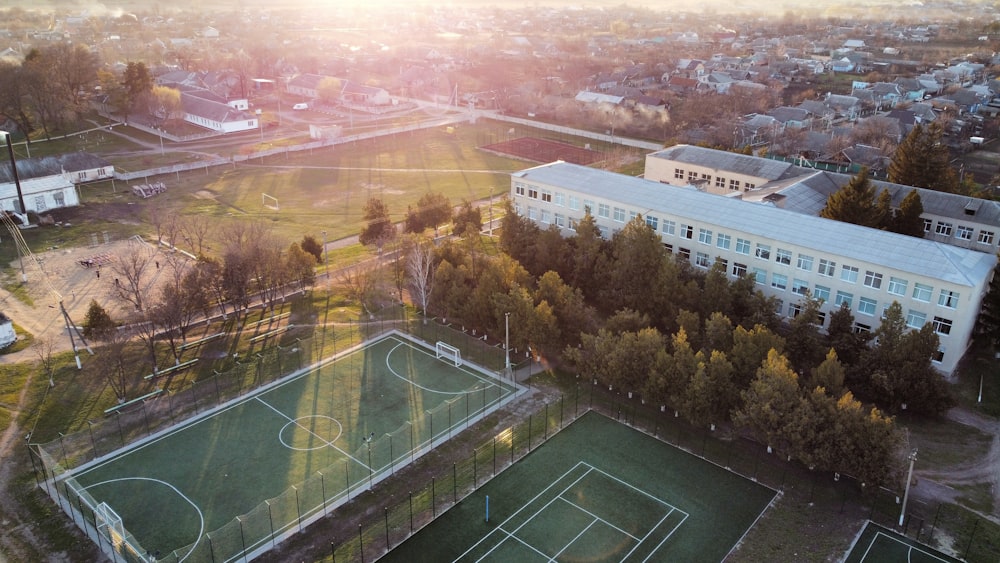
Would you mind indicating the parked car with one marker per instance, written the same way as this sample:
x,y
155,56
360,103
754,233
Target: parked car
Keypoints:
x,y
300,107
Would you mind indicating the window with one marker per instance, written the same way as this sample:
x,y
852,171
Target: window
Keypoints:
x,y
938,356
843,297
547,196
692,176
747,186
701,260
704,236
669,248
822,293
684,253
723,241
723,262
574,202
560,220
782,256
588,206
805,262
867,306
849,274
40,203
739,270
519,189
632,215
679,173
794,310
800,287
779,281
820,318
963,233
826,267
948,299
986,237
720,182
873,279
687,231
943,229
897,286
669,227
922,292
532,193
942,325
603,210
59,198
734,185
619,215
860,328
706,177
560,199
532,213
742,246
763,251
915,319
927,225
652,221
546,216
760,275
778,305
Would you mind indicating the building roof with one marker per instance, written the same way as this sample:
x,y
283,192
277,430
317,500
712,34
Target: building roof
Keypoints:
x,y
903,253
721,160
28,168
212,110
34,186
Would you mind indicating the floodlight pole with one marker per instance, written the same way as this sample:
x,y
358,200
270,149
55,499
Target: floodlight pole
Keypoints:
x,y
906,492
506,344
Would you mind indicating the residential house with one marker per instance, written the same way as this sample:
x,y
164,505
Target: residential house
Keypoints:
x,y
844,107
789,117
204,109
39,194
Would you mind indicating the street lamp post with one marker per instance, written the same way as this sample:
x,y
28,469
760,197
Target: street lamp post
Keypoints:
x,y
506,345
906,492
17,180
326,258
260,124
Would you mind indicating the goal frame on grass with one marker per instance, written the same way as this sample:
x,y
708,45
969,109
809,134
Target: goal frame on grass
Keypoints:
x,y
269,201
108,523
449,352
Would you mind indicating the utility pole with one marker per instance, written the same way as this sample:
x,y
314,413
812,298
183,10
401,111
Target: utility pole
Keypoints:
x,y
906,492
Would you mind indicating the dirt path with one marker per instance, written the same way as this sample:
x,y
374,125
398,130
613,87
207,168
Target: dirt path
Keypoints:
x,y
946,484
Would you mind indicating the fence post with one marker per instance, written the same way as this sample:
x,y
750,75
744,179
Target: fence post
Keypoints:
x,y
270,520
454,482
411,512
361,543
243,538
433,499
971,536
388,546
322,485
298,509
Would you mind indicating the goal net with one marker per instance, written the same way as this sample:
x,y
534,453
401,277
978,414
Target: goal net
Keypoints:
x,y
109,524
448,353
269,201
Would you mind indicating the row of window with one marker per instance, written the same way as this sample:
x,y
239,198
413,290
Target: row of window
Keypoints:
x,y
720,181
548,196
962,232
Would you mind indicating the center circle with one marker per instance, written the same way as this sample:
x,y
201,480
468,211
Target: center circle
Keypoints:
x,y
309,429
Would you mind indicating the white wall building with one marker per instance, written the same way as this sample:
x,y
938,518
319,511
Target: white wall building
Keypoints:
x,y
787,252
40,194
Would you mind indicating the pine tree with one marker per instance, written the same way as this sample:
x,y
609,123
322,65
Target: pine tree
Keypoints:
x,y
922,160
98,323
989,317
907,219
854,203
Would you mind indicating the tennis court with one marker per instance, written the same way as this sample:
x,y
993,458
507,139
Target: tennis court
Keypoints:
x,y
878,544
291,452
597,491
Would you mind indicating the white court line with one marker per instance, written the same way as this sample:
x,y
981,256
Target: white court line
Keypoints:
x,y
583,531
419,386
422,350
320,438
533,499
667,537
511,536
599,519
201,516
911,549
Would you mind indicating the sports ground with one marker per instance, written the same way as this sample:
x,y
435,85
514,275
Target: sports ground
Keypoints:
x,y
597,491
876,544
230,481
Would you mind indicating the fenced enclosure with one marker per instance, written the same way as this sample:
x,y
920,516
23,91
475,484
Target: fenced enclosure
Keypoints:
x,y
299,447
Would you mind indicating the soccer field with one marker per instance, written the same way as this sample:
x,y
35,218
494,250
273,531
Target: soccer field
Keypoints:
x,y
232,481
597,491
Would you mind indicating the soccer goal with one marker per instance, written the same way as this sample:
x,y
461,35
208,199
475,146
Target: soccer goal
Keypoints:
x,y
448,352
109,524
269,201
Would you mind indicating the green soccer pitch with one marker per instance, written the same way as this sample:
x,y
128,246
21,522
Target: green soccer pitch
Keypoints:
x,y
597,491
237,479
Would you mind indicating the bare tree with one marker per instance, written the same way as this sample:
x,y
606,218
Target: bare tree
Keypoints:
x,y
194,230
112,363
361,283
43,350
143,324
130,269
420,268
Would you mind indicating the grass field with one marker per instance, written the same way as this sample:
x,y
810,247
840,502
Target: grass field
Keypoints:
x,y
597,491
303,445
876,544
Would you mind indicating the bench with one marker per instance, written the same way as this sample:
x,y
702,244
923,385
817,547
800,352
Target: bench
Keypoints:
x,y
172,369
136,400
200,341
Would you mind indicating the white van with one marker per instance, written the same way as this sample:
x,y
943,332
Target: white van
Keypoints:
x,y
299,107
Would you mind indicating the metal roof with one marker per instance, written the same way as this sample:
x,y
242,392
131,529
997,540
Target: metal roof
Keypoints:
x,y
721,160
922,257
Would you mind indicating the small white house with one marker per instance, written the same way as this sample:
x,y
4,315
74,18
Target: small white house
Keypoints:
x,y
7,334
40,194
